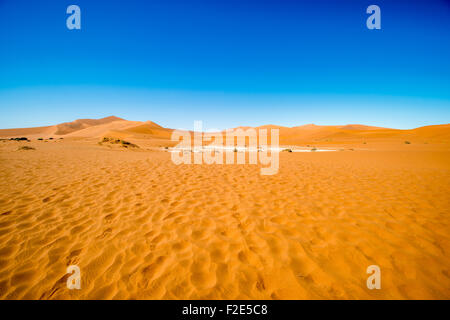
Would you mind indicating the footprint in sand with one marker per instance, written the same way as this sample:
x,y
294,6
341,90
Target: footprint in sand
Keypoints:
x,y
105,233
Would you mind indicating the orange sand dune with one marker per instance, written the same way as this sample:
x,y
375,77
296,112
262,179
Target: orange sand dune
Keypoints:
x,y
149,130
357,134
141,227
441,132
94,128
103,129
70,127
6,133
305,134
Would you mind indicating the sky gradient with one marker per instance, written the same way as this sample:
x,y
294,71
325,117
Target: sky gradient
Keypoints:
x,y
228,63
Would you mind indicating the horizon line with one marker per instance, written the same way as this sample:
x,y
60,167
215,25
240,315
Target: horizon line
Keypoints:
x,y
236,127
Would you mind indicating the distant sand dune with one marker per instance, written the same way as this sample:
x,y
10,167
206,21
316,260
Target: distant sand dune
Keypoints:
x,y
6,133
80,124
305,134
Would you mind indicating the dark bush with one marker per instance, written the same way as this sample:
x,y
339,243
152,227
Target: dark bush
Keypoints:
x,y
20,139
26,148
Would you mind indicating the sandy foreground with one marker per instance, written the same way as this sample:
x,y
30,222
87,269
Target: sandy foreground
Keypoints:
x,y
140,227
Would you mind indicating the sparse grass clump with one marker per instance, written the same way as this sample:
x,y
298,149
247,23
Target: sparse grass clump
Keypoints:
x,y
407,142
123,143
127,144
287,150
26,148
40,139
313,149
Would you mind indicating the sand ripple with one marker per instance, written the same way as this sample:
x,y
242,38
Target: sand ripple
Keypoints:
x,y
140,227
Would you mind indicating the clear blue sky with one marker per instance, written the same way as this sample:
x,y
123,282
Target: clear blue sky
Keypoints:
x,y
225,62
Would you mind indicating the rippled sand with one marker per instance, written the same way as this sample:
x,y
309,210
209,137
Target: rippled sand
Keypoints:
x,y
140,227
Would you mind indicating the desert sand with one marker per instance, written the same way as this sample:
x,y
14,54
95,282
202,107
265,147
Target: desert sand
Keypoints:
x,y
141,227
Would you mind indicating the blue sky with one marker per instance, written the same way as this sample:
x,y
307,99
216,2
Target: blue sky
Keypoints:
x,y
227,63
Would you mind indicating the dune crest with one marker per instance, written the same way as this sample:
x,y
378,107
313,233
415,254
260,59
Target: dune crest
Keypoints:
x,y
79,124
304,134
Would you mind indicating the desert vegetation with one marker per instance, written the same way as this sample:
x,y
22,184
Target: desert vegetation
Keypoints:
x,y
122,143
